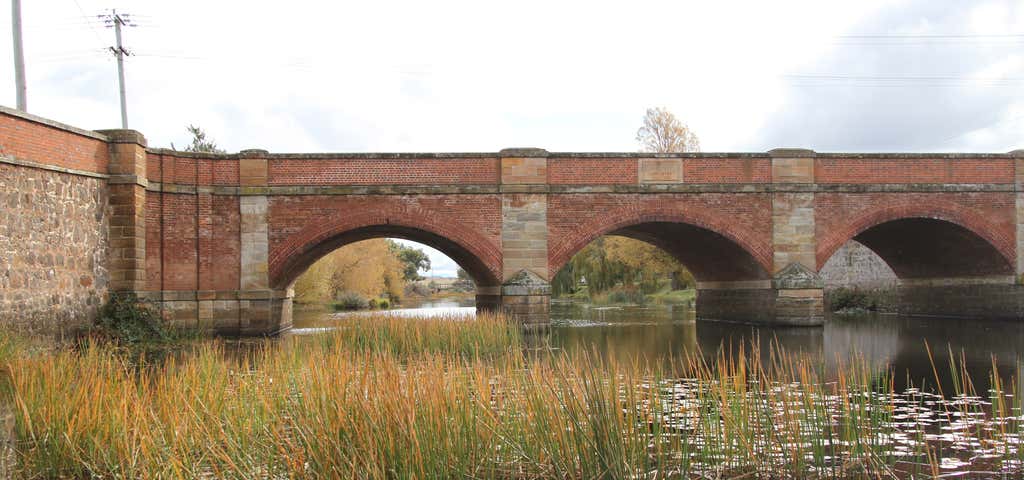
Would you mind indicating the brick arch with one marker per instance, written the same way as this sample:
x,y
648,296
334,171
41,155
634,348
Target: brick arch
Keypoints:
x,y
938,210
472,251
642,224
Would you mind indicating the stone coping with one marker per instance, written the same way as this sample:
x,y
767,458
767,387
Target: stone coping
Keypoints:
x,y
258,153
197,295
12,160
491,189
52,123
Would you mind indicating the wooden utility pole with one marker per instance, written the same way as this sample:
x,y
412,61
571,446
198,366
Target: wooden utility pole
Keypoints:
x,y
19,56
117,21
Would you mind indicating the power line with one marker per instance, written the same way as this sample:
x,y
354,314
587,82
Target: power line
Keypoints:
x,y
904,77
902,80
89,20
930,35
1001,122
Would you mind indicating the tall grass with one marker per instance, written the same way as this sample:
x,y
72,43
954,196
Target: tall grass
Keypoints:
x,y
463,335
387,397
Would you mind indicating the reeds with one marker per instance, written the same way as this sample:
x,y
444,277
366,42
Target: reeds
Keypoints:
x,y
450,398
463,335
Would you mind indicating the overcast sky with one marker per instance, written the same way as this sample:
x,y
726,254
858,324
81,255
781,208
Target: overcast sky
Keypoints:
x,y
300,76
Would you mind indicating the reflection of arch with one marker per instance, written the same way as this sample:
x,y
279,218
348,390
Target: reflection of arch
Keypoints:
x,y
674,230
954,216
474,253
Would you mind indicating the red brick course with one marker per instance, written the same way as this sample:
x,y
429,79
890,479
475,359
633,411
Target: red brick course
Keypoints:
x,y
592,171
180,169
373,171
154,232
727,170
179,242
48,145
913,170
220,243
841,216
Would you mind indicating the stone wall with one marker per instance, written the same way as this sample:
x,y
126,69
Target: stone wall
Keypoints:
x,y
965,300
54,246
855,265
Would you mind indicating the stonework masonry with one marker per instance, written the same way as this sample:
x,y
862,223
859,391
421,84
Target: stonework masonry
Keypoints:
x,y
53,249
855,265
217,239
524,237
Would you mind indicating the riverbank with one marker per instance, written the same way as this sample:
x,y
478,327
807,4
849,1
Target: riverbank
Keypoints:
x,y
409,301
447,397
619,296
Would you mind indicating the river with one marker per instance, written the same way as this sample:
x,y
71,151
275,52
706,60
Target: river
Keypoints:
x,y
667,333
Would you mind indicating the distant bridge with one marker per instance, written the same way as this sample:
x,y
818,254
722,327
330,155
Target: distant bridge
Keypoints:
x,y
218,239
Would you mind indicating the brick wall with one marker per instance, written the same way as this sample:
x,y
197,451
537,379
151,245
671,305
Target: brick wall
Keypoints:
x,y
369,171
23,137
592,171
727,170
185,168
179,242
913,170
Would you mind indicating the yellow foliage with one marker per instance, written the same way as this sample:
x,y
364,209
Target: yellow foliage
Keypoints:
x,y
369,268
664,133
650,261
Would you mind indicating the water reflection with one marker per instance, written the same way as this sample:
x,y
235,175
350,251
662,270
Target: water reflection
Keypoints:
x,y
664,334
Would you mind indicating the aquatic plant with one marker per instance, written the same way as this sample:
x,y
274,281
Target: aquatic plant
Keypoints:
x,y
391,397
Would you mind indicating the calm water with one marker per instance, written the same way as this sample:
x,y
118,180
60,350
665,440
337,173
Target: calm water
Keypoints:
x,y
662,333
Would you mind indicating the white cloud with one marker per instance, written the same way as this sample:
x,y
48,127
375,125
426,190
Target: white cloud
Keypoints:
x,y
447,75
440,264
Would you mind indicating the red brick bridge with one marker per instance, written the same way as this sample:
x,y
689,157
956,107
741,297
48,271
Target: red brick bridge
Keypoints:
x,y
218,239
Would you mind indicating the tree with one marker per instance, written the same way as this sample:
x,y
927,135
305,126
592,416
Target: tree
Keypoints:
x,y
413,259
664,133
370,268
200,142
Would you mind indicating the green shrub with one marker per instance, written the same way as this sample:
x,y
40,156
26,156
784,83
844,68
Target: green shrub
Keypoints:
x,y
852,299
627,296
383,303
126,318
350,301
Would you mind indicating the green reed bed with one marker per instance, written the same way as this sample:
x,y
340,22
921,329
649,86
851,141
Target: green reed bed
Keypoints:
x,y
452,398
465,335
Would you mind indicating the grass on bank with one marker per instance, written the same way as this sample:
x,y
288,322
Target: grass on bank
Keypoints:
x,y
391,397
632,296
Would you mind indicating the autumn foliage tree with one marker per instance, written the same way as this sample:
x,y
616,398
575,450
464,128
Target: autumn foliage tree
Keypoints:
x,y
371,268
612,261
662,132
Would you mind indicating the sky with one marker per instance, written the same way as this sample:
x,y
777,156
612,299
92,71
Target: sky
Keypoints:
x,y
384,76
